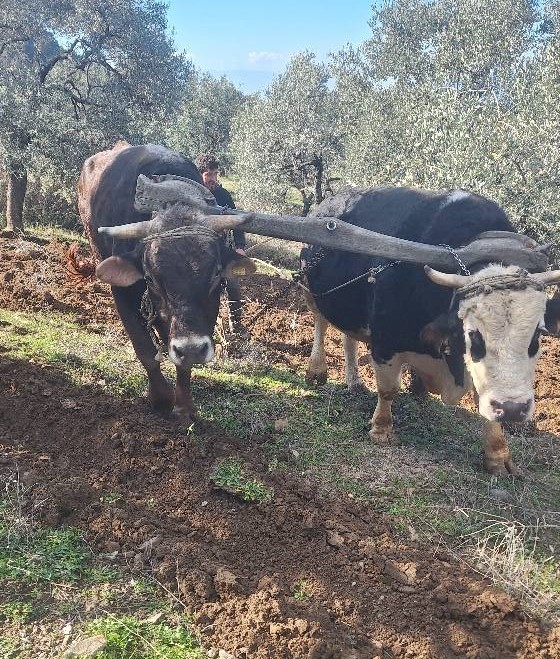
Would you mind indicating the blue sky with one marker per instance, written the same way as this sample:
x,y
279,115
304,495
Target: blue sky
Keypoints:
x,y
250,42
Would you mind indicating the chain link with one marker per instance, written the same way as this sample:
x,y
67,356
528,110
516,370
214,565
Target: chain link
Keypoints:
x,y
456,256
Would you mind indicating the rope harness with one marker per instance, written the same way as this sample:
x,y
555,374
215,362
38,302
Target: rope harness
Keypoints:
x,y
518,281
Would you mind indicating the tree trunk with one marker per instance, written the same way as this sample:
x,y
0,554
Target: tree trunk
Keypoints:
x,y
17,187
319,167
307,203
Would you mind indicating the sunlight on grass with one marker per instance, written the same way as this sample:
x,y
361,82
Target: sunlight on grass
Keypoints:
x,y
48,579
130,638
431,486
53,232
88,358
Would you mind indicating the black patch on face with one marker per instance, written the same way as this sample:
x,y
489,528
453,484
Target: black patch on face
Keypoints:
x,y
478,347
535,342
455,353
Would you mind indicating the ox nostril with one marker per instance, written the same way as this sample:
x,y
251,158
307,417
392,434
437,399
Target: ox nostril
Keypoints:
x,y
497,408
515,412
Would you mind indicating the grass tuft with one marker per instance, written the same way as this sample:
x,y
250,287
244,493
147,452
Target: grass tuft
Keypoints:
x,y
130,638
231,477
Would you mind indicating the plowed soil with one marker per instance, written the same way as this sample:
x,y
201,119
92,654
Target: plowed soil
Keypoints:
x,y
234,564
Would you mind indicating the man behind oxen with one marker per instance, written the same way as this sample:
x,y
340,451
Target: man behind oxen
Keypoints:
x,y
209,167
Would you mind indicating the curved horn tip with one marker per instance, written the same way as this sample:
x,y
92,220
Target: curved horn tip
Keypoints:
x,y
447,279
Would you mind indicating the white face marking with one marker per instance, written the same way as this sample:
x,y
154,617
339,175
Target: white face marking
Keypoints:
x,y
454,196
192,349
503,323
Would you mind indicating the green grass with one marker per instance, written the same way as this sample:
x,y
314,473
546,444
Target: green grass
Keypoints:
x,y
131,638
48,579
230,475
87,357
302,591
53,232
49,555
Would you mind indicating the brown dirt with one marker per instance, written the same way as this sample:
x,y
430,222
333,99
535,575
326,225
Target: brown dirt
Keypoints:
x,y
235,565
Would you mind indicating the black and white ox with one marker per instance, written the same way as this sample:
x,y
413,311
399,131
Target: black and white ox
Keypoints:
x,y
177,273
457,331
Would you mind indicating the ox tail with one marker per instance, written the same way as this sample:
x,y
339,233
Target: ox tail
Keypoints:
x,y
80,262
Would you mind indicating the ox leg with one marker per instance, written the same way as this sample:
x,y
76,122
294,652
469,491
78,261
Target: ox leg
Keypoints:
x,y
497,456
160,392
352,376
317,367
184,409
388,377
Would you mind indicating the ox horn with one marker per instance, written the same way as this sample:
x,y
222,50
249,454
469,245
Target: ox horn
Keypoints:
x,y
547,278
446,279
134,230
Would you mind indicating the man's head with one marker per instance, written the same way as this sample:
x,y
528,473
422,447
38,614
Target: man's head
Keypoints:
x,y
208,167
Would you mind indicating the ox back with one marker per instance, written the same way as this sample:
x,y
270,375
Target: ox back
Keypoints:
x,y
403,300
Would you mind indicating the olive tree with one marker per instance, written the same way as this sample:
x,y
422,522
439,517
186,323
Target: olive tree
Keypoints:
x,y
458,93
287,137
74,76
203,124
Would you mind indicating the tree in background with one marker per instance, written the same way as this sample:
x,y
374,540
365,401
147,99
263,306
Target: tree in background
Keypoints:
x,y
204,121
458,93
287,137
76,75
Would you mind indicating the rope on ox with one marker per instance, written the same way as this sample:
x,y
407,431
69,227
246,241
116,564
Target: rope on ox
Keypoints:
x,y
519,281
149,314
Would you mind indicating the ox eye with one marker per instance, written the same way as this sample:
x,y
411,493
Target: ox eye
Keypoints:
x,y
535,341
478,347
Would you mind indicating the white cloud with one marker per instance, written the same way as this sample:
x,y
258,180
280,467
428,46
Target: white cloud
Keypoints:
x,y
261,56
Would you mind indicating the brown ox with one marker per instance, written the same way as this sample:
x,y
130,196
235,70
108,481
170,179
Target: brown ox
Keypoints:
x,y
176,275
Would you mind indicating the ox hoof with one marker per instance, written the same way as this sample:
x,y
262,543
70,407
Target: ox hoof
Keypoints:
x,y
313,378
161,406
185,415
502,467
383,436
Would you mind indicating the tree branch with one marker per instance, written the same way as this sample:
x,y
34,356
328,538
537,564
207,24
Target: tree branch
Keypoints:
x,y
64,54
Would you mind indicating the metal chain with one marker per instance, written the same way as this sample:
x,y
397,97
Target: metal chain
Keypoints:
x,y
456,256
371,274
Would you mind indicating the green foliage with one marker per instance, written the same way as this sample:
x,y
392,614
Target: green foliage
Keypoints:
x,y
302,591
456,93
230,475
130,638
17,611
77,75
287,138
204,120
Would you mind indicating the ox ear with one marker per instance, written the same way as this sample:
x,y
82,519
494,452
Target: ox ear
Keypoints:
x,y
552,315
118,271
236,265
435,335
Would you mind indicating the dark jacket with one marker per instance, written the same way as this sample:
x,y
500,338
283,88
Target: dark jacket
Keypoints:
x,y
224,198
